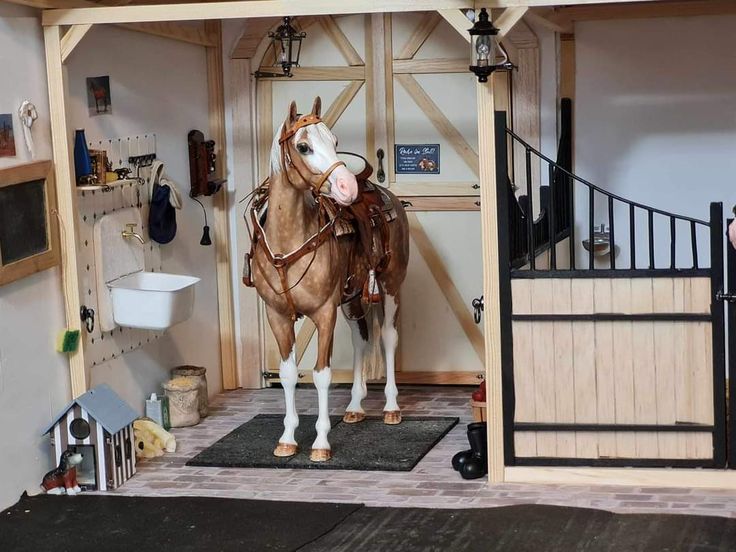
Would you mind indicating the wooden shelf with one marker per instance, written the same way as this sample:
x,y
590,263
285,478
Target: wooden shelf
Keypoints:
x,y
108,186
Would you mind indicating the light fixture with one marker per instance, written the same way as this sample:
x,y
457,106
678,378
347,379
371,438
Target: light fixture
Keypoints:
x,y
486,53
286,42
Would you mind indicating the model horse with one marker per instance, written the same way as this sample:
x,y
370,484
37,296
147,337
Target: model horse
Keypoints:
x,y
301,266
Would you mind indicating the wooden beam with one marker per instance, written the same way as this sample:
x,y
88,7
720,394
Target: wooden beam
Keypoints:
x,y
427,24
689,8
66,201
409,189
71,38
317,73
338,38
442,276
439,120
242,9
457,21
567,66
386,30
443,203
510,17
419,66
249,41
216,108
174,31
341,103
491,284
550,19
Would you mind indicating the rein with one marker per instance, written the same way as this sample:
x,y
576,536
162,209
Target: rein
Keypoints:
x,y
281,262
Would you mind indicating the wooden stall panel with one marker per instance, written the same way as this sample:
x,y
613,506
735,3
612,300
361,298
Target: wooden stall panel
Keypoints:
x,y
613,372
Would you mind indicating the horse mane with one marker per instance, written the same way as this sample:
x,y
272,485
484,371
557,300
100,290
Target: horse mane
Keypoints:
x,y
276,152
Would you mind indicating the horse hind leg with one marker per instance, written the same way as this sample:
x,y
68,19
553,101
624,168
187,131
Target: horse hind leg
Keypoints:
x,y
390,338
354,413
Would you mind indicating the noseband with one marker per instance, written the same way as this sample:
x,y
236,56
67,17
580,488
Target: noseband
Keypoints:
x,y
295,164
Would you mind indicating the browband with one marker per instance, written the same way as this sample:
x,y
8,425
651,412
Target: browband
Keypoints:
x,y
301,122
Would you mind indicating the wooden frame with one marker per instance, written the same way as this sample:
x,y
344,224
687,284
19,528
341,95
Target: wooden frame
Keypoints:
x,y
39,170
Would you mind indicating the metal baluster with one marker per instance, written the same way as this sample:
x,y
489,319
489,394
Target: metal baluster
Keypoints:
x,y
673,232
591,244
632,237
552,219
611,239
570,190
650,223
530,210
694,244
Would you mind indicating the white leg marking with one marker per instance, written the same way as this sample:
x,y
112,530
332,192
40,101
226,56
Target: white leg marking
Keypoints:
x,y
289,375
359,389
322,381
390,337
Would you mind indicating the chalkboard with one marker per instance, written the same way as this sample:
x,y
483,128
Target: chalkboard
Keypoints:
x,y
417,159
23,221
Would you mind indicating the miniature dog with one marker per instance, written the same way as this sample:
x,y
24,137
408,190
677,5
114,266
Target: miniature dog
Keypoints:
x,y
63,479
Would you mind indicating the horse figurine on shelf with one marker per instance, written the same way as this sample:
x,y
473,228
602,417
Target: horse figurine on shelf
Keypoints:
x,y
323,237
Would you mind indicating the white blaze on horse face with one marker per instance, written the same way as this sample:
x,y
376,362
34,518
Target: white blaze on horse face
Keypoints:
x,y
343,187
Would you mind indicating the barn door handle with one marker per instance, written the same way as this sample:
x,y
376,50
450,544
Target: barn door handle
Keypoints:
x,y
727,297
380,174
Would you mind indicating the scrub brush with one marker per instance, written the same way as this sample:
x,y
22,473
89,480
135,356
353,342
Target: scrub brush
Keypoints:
x,y
67,341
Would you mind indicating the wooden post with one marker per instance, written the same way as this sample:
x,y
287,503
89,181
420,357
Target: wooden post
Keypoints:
x,y
221,203
491,288
66,201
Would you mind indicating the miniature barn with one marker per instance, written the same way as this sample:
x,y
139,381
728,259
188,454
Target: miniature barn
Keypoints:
x,y
583,194
99,425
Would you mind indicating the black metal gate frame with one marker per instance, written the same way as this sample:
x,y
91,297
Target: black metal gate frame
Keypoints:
x,y
721,441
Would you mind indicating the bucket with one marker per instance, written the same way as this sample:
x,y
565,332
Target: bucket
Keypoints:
x,y
183,393
201,375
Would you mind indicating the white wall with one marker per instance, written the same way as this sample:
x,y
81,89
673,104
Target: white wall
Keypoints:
x,y
157,86
34,381
655,120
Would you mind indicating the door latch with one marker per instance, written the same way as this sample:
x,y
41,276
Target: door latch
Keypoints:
x,y
380,174
727,297
477,309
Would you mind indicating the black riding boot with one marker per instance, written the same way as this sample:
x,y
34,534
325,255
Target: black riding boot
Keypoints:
x,y
461,457
476,465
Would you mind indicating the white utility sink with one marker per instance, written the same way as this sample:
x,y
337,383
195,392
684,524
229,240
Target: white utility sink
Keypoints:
x,y
152,300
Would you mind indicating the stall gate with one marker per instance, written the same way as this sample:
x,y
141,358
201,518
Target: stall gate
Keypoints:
x,y
611,359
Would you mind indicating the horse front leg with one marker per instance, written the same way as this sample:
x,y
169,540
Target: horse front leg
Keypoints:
x,y
324,319
390,338
283,330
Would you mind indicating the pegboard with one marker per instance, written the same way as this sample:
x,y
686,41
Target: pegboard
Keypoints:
x,y
100,346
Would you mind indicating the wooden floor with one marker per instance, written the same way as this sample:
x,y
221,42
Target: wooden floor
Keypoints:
x,y
432,484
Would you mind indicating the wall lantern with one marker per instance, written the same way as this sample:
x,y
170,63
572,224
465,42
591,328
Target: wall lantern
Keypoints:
x,y
286,42
486,53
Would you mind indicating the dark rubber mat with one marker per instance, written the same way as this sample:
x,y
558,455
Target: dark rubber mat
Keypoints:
x,y
532,528
368,445
182,524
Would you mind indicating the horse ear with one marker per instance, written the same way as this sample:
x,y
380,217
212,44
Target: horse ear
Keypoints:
x,y
293,115
317,106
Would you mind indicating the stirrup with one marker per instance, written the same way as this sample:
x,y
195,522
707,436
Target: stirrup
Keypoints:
x,y
371,291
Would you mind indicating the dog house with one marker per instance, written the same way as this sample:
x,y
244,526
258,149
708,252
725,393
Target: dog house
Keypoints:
x,y
99,425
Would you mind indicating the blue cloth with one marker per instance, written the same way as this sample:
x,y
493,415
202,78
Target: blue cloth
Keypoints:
x,y
162,215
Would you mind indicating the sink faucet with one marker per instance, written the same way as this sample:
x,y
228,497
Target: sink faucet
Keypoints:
x,y
130,233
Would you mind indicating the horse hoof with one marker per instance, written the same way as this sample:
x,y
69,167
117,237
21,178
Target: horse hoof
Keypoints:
x,y
320,455
284,450
392,417
353,417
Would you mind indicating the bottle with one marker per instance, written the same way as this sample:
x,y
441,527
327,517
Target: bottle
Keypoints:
x,y
82,163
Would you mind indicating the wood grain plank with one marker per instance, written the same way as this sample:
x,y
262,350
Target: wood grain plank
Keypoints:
x,y
524,392
623,343
605,369
645,379
584,366
563,359
544,377
663,300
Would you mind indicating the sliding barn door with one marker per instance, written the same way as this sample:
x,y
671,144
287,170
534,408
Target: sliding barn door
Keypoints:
x,y
386,82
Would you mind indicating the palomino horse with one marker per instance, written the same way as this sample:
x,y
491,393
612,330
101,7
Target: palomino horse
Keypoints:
x,y
301,266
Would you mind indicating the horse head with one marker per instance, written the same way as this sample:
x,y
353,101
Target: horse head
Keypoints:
x,y
308,153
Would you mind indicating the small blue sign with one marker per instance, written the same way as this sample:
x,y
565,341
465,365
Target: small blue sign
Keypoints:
x,y
417,159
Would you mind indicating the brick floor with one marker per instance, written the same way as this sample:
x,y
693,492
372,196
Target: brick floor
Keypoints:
x,y
431,484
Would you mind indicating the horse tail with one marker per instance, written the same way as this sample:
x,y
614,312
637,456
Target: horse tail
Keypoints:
x,y
374,362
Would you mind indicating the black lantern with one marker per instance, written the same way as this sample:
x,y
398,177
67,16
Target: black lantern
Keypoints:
x,y
486,53
286,42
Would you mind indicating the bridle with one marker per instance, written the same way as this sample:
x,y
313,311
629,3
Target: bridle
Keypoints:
x,y
294,167
295,164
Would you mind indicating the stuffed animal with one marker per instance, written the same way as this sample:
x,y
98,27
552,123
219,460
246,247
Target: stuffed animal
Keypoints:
x,y
151,440
63,479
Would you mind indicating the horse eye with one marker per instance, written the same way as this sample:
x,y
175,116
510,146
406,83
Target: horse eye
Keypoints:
x,y
303,147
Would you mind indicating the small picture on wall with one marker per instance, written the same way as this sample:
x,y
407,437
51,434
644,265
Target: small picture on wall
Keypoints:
x,y
99,100
7,138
